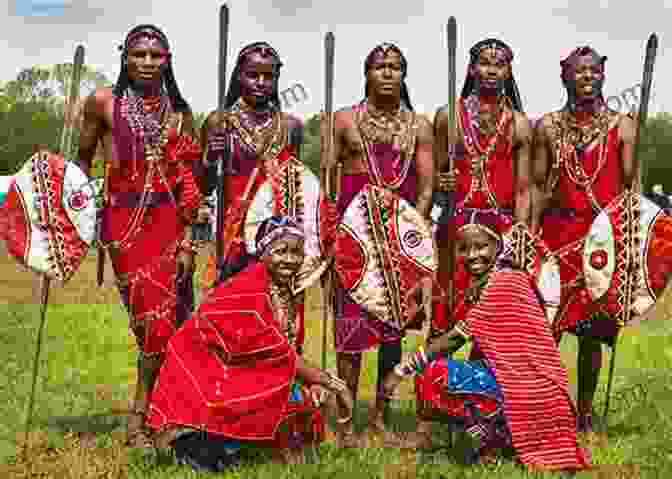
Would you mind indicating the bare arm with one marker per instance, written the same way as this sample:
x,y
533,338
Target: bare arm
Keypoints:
x,y
523,172
425,166
627,132
93,129
540,168
208,178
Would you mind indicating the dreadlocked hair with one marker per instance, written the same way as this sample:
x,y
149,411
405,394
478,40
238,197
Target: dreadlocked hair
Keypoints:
x,y
168,81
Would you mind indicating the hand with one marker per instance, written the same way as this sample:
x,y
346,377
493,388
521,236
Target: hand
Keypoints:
x,y
391,383
217,133
448,181
185,263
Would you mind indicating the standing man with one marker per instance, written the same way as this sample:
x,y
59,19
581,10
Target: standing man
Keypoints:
x,y
491,169
151,198
492,150
380,141
583,160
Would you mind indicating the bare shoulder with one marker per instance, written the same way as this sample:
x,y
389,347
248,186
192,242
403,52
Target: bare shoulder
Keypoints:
x,y
441,115
545,124
99,101
523,125
293,121
344,118
214,119
425,127
627,126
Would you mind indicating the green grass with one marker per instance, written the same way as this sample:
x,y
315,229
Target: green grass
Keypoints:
x,y
88,371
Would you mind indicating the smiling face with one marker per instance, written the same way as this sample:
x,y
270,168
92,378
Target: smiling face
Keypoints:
x,y
146,56
492,68
588,77
284,259
479,250
258,78
385,73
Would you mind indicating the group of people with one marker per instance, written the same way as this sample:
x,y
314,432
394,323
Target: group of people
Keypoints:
x,y
233,371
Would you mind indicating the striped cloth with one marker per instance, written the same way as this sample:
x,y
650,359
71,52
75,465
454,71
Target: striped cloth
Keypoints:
x,y
526,361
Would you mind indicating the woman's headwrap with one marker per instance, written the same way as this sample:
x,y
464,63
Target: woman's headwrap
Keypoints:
x,y
234,90
491,222
167,75
383,49
510,86
273,229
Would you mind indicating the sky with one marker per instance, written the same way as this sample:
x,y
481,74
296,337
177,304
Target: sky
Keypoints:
x,y
44,32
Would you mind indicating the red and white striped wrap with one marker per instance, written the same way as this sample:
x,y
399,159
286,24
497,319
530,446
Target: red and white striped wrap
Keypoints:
x,y
510,328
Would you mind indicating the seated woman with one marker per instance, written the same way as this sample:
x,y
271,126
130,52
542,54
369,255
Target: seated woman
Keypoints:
x,y
513,390
231,372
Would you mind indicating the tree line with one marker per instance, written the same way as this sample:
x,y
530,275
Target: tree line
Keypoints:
x,y
34,109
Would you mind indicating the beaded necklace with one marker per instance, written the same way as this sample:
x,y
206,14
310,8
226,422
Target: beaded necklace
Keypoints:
x,y
397,129
480,155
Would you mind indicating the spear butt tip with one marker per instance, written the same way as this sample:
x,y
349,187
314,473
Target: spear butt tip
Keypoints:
x,y
452,20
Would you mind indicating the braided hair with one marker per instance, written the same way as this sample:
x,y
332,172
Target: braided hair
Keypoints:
x,y
168,81
510,87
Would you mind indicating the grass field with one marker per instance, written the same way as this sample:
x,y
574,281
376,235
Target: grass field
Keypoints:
x,y
87,372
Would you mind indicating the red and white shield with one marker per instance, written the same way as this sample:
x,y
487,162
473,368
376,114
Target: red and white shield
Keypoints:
x,y
50,216
627,256
384,250
290,189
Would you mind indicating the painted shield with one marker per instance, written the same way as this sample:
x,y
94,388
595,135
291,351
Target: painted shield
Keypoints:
x,y
384,249
50,216
532,254
627,256
290,189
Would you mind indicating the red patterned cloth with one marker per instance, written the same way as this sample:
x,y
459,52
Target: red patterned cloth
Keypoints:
x,y
230,371
509,327
144,240
564,232
495,190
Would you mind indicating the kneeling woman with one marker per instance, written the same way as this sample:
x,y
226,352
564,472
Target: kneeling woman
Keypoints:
x,y
231,372
513,390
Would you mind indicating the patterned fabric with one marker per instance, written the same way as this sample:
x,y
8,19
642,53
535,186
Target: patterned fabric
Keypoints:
x,y
467,390
49,216
144,223
283,187
230,371
384,249
509,327
391,166
586,182
625,268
